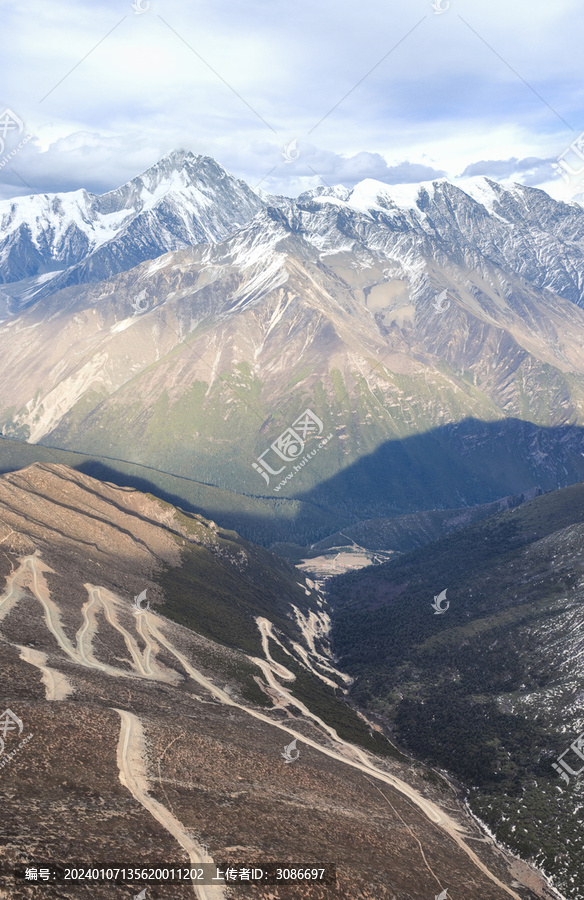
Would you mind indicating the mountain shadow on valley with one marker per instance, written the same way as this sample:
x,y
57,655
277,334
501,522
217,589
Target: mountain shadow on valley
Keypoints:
x,y
456,465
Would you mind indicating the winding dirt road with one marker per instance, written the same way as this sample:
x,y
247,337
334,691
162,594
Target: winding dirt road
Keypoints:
x,y
57,685
354,756
131,753
131,764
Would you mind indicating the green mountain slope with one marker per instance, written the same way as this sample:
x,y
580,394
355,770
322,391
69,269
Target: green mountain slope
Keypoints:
x,y
491,690
260,519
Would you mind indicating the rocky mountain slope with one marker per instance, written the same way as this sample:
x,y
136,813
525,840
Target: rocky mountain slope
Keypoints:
x,y
487,681
155,724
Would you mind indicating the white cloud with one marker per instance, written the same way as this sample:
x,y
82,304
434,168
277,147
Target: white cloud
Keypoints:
x,y
443,100
530,170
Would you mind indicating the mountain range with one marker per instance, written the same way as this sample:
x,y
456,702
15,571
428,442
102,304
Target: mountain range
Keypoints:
x,y
213,402
434,330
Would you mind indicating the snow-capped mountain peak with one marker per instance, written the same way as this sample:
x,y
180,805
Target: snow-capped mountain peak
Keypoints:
x,y
181,200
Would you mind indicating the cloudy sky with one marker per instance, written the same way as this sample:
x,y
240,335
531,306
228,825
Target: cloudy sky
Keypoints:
x,y
290,95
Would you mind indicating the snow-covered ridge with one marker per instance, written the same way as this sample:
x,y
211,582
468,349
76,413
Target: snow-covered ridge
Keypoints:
x,y
56,214
185,200
370,194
